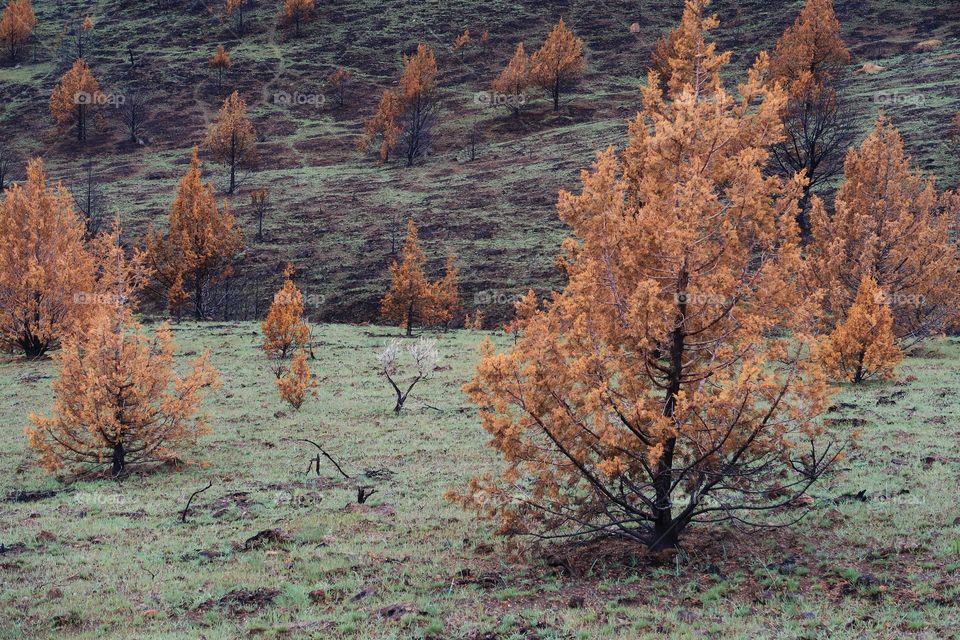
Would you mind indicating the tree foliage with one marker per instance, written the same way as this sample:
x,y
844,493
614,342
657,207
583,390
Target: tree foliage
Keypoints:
x,y
559,63
221,62
199,247
284,330
75,98
888,224
231,138
863,346
118,401
296,12
47,285
670,382
16,26
514,81
808,61
295,384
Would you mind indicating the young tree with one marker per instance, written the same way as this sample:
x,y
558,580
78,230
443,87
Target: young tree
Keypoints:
x,y
46,273
888,224
75,97
384,127
514,81
445,296
231,138
297,11
89,200
284,330
485,41
133,111
231,7
807,61
338,80
410,298
864,346
461,42
118,401
199,248
670,382
406,115
221,62
424,357
85,25
295,384
559,63
260,200
16,26
418,92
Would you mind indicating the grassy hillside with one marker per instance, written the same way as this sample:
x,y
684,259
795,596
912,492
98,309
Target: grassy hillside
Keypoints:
x,y
102,559
334,210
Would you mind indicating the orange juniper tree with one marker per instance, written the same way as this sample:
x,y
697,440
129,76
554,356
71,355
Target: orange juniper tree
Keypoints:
x,y
294,385
406,115
231,138
807,61
118,401
670,382
198,249
384,126
46,273
16,25
296,12
445,296
514,80
221,62
338,80
231,7
889,224
864,346
75,97
461,42
558,63
284,330
410,298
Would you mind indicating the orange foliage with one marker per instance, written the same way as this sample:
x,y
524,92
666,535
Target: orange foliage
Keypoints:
x,y
16,25
670,381
295,384
461,41
405,113
46,274
338,80
811,46
221,62
296,12
284,329
688,62
75,97
559,62
864,346
409,299
199,247
445,296
118,401
231,138
890,225
514,80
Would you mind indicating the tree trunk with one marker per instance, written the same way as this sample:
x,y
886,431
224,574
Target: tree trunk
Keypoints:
x,y
556,95
118,460
410,320
32,346
198,298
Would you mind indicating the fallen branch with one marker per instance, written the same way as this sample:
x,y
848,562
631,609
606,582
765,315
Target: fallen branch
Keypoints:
x,y
183,516
326,455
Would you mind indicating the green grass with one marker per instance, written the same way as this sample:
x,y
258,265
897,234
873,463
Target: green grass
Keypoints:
x,y
105,559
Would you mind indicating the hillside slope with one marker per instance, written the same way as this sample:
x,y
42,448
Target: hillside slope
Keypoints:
x,y
334,211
